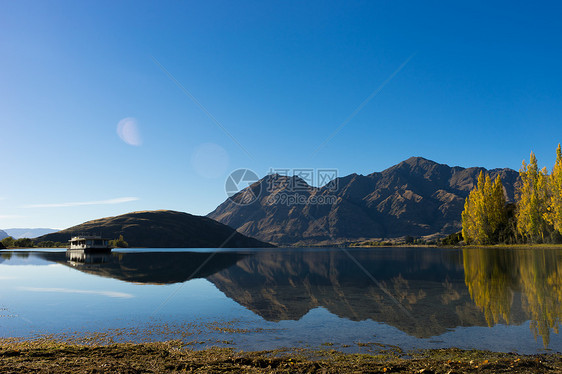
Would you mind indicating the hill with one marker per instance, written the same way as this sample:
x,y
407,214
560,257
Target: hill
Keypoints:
x,y
416,197
3,234
162,229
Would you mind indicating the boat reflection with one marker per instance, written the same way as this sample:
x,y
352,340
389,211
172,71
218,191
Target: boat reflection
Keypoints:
x,y
77,257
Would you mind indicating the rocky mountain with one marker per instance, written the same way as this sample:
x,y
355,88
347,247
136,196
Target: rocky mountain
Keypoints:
x,y
416,197
162,229
28,233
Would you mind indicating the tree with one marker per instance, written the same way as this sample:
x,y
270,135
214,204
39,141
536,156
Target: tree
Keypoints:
x,y
497,212
452,239
532,207
24,243
471,215
554,209
485,214
119,243
8,242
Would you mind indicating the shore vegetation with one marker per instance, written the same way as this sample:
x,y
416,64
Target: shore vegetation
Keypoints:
x,y
535,217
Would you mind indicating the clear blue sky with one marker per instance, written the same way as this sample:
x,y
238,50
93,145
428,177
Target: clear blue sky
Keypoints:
x,y
482,86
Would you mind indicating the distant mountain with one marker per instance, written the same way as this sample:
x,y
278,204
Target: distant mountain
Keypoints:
x,y
3,234
28,233
416,197
162,229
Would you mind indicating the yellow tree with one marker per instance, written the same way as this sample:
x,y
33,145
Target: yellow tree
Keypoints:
x,y
533,202
472,217
497,212
554,213
484,211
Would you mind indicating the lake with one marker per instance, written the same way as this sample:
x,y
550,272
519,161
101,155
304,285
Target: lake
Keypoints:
x,y
346,299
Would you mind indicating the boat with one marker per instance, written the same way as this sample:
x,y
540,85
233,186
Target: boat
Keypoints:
x,y
89,243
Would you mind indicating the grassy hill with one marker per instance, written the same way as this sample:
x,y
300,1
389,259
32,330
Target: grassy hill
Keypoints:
x,y
161,229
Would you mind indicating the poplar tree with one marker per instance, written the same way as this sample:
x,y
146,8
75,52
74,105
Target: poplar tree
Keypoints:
x,y
471,215
532,208
554,210
497,212
484,212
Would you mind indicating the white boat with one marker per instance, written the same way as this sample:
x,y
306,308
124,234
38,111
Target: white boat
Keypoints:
x,y
89,243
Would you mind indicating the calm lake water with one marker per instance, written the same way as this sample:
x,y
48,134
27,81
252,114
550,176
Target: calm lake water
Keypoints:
x,y
351,300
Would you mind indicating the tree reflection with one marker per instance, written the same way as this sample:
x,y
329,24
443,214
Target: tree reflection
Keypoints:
x,y
496,277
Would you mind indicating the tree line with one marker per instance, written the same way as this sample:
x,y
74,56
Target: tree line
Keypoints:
x,y
536,217
10,242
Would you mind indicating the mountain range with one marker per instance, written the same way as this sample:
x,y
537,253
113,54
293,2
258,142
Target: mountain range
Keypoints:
x,y
27,233
161,229
417,197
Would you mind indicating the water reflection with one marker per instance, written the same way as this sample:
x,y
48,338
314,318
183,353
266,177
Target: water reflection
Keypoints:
x,y
500,281
76,257
146,267
422,292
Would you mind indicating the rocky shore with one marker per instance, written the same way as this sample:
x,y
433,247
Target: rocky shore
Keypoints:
x,y
49,356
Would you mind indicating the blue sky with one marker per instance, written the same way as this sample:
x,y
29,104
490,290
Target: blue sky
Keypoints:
x,y
472,84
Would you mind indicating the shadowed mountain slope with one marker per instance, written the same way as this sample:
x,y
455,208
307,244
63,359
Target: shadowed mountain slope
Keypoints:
x,y
162,229
416,197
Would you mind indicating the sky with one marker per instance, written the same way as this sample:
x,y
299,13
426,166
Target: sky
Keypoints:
x,y
108,107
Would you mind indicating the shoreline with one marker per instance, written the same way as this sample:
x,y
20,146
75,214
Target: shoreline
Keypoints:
x,y
49,355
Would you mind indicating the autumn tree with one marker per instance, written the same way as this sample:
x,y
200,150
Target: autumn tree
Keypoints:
x,y
485,213
554,209
532,207
119,243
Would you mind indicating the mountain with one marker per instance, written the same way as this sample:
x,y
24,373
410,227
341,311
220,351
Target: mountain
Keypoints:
x,y
27,233
416,197
162,229
3,234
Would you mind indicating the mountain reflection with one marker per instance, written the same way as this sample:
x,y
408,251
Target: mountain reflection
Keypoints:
x,y
419,291
423,292
146,267
503,280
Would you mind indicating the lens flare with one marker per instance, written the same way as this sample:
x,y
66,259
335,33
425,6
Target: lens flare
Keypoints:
x,y
128,131
210,160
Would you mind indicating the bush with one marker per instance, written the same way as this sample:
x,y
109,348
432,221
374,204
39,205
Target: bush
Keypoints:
x,y
119,243
453,239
